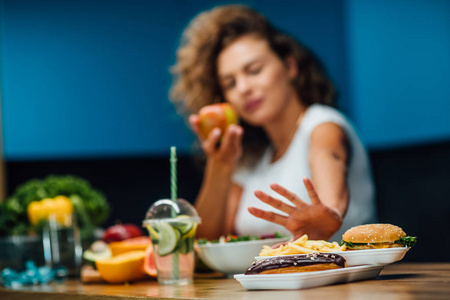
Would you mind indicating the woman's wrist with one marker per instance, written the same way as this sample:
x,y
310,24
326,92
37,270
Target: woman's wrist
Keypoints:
x,y
332,226
219,168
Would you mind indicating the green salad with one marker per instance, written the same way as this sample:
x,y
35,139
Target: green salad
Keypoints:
x,y
243,238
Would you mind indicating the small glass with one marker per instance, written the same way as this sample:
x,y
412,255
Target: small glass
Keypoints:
x,y
16,250
172,227
62,244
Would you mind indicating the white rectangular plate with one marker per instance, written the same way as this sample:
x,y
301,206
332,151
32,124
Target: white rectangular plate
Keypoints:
x,y
304,280
380,257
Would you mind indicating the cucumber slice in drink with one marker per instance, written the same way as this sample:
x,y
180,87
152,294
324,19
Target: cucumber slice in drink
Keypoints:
x,y
168,239
184,226
183,246
191,232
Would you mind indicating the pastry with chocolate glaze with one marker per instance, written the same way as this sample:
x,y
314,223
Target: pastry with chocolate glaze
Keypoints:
x,y
297,263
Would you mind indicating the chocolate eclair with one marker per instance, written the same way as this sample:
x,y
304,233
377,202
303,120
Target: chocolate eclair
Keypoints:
x,y
297,263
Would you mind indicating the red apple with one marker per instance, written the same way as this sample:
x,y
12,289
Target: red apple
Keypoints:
x,y
121,232
219,115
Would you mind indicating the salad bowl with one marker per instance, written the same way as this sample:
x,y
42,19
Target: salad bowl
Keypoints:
x,y
234,256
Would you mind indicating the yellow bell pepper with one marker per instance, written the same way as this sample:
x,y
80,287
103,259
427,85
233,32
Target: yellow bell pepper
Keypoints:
x,y
60,207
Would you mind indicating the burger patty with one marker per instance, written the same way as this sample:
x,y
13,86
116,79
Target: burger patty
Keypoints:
x,y
356,246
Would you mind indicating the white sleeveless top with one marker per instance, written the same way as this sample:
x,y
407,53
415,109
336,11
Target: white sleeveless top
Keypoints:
x,y
290,169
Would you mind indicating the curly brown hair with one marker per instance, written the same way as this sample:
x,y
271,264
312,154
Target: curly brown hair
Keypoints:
x,y
196,82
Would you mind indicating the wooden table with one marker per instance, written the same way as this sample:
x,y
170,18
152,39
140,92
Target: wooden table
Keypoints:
x,y
397,281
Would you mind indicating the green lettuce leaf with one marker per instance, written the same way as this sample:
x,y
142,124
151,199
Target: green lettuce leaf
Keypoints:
x,y
407,241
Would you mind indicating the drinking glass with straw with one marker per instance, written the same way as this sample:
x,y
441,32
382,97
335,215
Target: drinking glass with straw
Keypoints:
x,y
172,225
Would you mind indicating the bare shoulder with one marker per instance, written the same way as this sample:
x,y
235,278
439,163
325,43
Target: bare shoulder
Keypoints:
x,y
330,136
328,133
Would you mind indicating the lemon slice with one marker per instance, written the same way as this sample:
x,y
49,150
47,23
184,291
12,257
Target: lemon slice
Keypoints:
x,y
168,239
153,233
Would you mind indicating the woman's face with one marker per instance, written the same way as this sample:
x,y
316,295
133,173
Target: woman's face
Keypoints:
x,y
255,81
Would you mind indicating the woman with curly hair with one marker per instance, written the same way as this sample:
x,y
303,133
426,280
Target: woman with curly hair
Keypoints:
x,y
288,132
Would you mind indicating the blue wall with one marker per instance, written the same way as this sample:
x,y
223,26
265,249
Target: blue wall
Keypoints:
x,y
83,79
399,58
89,79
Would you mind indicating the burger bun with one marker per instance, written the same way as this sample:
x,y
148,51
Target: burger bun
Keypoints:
x,y
374,233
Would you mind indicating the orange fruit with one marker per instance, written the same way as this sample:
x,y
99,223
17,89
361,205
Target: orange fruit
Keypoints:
x,y
123,267
133,244
149,262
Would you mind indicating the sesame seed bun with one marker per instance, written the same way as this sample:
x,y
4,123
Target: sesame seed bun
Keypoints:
x,y
373,233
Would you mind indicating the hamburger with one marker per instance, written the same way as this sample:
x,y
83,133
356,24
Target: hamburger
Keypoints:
x,y
376,236
297,263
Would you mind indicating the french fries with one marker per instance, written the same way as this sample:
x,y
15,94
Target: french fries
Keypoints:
x,y
302,246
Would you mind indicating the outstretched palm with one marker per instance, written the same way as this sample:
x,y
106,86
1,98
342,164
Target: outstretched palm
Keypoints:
x,y
316,220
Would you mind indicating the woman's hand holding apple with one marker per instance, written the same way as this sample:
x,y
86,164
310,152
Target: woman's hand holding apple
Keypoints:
x,y
223,149
214,123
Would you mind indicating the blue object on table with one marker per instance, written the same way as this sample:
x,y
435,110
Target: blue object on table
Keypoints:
x,y
32,275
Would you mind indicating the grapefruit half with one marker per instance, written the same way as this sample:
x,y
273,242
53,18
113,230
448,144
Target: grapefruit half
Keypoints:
x,y
149,262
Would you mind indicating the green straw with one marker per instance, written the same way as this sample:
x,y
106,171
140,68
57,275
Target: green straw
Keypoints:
x,y
173,174
173,194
